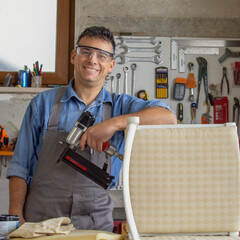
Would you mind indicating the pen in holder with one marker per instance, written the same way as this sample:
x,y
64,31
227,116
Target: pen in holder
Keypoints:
x,y
36,81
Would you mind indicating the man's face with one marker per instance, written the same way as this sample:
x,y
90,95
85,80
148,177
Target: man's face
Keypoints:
x,y
91,71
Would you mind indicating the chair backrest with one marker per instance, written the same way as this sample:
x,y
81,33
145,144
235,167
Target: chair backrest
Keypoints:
x,y
182,178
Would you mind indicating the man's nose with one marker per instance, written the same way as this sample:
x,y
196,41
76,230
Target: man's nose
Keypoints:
x,y
93,56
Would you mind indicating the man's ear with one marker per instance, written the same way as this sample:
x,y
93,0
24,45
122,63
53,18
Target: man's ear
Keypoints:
x,y
73,55
111,66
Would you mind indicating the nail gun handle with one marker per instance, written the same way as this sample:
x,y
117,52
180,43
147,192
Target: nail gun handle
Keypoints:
x,y
111,150
105,146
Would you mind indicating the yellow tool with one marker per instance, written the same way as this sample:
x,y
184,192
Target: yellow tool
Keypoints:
x,y
161,75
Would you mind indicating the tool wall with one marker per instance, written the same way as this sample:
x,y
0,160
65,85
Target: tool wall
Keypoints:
x,y
170,69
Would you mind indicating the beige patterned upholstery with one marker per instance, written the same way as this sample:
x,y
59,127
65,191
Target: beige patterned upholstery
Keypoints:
x,y
185,180
190,238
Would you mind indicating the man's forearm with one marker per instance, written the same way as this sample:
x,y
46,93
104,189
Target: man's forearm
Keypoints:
x,y
17,193
150,116
99,133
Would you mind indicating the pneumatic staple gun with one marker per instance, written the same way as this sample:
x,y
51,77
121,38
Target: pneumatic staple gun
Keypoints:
x,y
82,164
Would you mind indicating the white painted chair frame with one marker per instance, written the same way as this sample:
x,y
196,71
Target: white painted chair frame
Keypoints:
x,y
131,130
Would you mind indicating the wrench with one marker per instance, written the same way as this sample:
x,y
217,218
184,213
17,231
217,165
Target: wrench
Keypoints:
x,y
126,70
118,82
107,77
228,54
127,49
125,59
133,67
112,83
124,40
191,84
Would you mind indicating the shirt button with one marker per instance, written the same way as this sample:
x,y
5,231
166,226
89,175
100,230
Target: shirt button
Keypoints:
x,y
99,101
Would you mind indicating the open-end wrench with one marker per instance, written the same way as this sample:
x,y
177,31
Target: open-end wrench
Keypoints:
x,y
124,59
133,67
112,83
127,49
124,40
126,70
118,82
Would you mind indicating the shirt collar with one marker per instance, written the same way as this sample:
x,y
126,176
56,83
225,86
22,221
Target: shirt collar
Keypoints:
x,y
104,95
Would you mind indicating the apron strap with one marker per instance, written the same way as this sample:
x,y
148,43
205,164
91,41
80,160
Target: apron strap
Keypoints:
x,y
57,105
107,111
56,109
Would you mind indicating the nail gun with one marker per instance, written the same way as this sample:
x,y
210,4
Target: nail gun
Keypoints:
x,y
82,164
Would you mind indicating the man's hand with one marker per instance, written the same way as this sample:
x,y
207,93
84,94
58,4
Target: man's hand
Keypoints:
x,y
21,219
96,135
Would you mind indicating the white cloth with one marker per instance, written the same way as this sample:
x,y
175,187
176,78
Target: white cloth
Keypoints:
x,y
53,226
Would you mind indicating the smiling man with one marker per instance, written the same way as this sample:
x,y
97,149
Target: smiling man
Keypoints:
x,y
41,187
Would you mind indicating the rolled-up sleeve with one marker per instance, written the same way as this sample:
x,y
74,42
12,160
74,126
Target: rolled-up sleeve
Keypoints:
x,y
24,158
129,104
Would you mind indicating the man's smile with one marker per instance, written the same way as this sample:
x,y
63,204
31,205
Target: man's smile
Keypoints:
x,y
90,69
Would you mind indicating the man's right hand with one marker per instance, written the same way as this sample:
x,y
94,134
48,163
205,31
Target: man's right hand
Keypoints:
x,y
20,215
17,192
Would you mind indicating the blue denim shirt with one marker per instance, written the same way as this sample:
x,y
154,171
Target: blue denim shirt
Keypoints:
x,y
35,123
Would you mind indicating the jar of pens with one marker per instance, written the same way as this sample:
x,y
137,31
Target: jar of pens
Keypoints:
x,y
36,75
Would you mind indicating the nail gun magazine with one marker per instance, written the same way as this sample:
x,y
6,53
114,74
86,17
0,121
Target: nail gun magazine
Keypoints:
x,y
81,163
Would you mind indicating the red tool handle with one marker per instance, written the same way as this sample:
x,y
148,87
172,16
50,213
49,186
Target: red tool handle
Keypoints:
x,y
105,145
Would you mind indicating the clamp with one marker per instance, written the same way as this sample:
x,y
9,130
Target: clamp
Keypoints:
x,y
225,77
202,76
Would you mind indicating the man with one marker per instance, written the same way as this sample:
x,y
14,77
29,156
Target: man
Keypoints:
x,y
42,187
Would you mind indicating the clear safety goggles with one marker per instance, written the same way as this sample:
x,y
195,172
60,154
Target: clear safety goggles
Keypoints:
x,y
87,52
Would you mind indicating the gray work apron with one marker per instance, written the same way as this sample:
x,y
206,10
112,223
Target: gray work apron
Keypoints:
x,y
58,190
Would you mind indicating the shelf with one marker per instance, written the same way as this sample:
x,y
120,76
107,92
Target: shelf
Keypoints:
x,y
6,153
203,45
22,90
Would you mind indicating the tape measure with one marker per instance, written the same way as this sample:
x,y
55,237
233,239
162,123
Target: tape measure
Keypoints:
x,y
142,94
179,89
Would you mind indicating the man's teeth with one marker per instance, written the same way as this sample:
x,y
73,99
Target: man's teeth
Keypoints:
x,y
91,70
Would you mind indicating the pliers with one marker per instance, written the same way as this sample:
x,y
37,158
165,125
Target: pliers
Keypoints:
x,y
236,108
202,75
225,77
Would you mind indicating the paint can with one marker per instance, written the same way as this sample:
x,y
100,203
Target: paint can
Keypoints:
x,y
3,237
8,223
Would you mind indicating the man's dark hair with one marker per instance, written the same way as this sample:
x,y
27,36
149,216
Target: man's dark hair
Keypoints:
x,y
98,32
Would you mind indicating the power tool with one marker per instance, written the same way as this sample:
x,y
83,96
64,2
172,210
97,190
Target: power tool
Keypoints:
x,y
82,164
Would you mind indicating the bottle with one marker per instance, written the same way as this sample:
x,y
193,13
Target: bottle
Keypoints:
x,y
23,77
